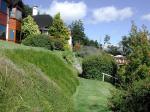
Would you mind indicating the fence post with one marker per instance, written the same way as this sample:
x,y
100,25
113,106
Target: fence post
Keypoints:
x,y
6,70
103,77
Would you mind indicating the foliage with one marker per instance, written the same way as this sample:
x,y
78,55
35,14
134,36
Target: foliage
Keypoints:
x,y
79,36
27,10
77,32
59,30
135,99
29,27
88,42
137,49
57,44
106,39
114,50
36,80
95,65
134,77
44,41
87,51
38,41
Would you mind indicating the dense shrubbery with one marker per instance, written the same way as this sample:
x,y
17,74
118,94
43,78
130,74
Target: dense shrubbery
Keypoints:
x,y
134,77
94,66
44,41
38,41
136,99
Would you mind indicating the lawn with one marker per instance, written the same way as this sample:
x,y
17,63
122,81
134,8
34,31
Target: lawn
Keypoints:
x,y
34,80
92,96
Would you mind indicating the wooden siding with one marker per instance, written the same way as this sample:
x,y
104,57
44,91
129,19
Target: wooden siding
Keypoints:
x,y
14,24
3,19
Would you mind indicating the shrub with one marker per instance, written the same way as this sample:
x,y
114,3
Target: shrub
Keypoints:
x,y
57,44
94,66
38,41
45,41
135,99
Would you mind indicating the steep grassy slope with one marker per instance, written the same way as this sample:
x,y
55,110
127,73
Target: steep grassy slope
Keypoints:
x,y
92,96
34,79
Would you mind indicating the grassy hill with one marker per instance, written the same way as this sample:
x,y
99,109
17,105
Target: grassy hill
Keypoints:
x,y
92,96
34,80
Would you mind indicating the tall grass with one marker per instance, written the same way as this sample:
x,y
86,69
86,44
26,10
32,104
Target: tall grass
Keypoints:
x,y
35,81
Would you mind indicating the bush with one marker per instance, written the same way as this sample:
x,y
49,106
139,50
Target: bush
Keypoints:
x,y
94,66
136,99
38,41
44,41
57,44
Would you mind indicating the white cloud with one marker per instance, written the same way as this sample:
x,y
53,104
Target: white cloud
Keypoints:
x,y
111,13
146,17
69,10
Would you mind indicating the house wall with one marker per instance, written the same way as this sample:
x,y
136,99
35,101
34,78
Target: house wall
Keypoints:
x,y
3,19
14,27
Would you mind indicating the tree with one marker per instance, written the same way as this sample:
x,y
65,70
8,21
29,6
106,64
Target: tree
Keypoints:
x,y
106,39
114,50
77,32
27,10
59,30
29,27
135,80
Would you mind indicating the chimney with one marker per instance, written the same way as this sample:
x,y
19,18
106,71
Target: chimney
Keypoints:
x,y
35,11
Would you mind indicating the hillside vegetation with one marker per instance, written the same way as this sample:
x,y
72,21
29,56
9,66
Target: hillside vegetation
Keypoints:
x,y
34,79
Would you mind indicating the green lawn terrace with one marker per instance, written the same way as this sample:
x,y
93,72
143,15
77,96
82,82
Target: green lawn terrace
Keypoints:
x,y
43,81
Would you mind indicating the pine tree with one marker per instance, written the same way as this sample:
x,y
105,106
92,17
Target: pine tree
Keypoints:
x,y
77,32
59,30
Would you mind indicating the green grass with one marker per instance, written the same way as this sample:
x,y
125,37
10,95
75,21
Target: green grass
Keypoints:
x,y
92,96
34,80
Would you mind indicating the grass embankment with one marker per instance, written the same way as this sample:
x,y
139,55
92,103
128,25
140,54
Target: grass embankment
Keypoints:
x,y
92,96
34,79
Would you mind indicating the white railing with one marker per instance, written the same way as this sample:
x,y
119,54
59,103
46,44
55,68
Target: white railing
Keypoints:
x,y
104,74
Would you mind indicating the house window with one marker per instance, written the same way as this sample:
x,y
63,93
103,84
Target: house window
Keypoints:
x,y
3,6
12,34
18,15
12,13
15,13
2,32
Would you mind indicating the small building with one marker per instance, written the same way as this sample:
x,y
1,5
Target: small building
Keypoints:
x,y
120,59
10,19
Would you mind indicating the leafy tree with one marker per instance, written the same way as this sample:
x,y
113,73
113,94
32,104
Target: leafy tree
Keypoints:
x,y
77,32
59,30
135,80
137,50
29,27
106,39
27,10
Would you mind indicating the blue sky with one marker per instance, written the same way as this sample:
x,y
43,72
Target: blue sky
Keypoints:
x,y
100,17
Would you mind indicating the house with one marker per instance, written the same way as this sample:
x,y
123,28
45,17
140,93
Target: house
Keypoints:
x,y
10,19
120,59
44,21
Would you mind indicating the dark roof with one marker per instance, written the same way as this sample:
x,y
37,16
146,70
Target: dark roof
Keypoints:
x,y
43,21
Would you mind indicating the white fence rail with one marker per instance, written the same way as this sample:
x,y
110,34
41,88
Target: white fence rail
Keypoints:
x,y
104,74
